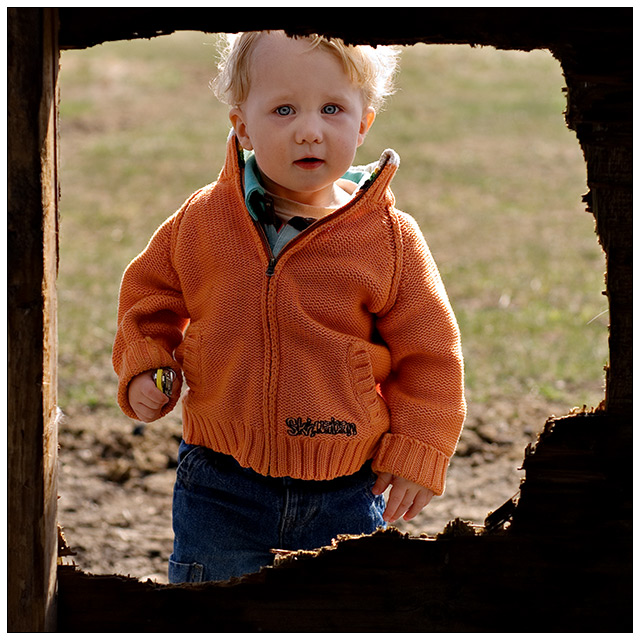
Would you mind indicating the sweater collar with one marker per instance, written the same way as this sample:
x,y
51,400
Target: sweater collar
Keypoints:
x,y
254,193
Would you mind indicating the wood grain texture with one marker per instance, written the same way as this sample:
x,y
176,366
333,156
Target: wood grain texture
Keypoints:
x,y
32,259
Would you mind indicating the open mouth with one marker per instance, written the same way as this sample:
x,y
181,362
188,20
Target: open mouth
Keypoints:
x,y
309,163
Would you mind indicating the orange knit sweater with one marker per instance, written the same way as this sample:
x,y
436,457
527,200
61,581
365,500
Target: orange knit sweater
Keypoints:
x,y
343,349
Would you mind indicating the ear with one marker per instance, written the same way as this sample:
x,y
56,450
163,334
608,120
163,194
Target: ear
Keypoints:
x,y
240,127
368,116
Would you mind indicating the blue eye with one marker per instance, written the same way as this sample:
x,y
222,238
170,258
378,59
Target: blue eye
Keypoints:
x,y
330,109
285,110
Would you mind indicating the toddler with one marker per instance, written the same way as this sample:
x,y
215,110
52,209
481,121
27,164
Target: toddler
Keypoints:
x,y
305,313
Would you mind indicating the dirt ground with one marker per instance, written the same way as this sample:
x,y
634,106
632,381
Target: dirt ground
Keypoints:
x,y
116,479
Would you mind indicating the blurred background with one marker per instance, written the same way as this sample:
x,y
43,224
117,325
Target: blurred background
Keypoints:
x,y
488,169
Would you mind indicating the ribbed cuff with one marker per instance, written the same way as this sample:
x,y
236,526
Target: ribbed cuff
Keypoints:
x,y
412,460
145,355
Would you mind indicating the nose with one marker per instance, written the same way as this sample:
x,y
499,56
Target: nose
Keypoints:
x,y
309,129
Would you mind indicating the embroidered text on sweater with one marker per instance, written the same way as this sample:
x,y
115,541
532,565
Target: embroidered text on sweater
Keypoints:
x,y
311,428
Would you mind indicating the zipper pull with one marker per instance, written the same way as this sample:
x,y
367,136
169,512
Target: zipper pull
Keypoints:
x,y
271,267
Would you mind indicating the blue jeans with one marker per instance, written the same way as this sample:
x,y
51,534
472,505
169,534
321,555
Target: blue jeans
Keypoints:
x,y
226,519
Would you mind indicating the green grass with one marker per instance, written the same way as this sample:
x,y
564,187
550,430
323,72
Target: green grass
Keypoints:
x,y
488,168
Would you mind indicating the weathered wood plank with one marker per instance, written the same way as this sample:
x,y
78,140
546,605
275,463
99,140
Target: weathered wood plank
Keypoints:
x,y
32,260
504,27
598,68
380,583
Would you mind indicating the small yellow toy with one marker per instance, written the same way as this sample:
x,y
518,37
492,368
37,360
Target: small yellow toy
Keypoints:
x,y
164,379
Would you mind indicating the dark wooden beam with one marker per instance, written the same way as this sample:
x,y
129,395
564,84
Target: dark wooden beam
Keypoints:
x,y
33,260
385,583
503,27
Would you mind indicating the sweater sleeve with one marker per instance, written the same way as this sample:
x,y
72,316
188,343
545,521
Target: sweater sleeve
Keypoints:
x,y
151,316
425,389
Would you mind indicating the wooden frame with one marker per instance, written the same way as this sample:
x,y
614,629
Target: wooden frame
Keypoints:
x,y
33,256
544,551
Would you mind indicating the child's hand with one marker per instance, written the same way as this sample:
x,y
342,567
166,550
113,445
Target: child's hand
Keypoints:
x,y
405,497
145,398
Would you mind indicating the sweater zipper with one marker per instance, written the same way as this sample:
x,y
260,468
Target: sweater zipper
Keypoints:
x,y
273,259
263,236
272,264
271,372
269,348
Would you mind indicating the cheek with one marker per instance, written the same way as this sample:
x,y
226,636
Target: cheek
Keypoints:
x,y
269,154
347,147
349,135
269,166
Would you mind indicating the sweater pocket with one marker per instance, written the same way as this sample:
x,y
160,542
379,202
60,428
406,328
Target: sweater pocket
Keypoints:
x,y
364,384
189,355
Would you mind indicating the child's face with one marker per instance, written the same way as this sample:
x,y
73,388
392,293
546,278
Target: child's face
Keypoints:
x,y
303,118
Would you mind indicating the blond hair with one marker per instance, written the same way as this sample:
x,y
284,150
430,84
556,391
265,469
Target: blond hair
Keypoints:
x,y
372,69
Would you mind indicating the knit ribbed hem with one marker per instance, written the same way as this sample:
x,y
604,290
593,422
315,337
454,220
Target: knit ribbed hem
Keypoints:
x,y
305,458
412,460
